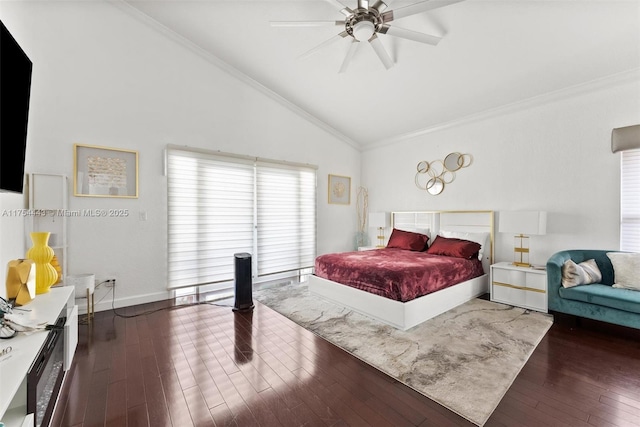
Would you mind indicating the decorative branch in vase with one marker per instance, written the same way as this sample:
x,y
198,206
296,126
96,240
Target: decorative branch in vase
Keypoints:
x,y
362,207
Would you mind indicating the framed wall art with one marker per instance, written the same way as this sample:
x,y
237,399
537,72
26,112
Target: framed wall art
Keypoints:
x,y
104,172
339,190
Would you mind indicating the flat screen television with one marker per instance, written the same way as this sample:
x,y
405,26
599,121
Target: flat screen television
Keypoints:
x,y
15,90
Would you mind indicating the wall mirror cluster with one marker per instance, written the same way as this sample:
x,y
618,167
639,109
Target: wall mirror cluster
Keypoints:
x,y
432,176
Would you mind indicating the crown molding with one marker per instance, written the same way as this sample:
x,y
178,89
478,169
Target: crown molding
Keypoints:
x,y
612,80
140,16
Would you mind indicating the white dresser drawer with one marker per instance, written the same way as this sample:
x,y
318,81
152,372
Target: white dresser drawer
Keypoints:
x,y
522,287
508,294
510,277
537,281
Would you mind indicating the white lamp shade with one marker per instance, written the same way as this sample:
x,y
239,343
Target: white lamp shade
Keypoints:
x,y
626,138
378,219
523,222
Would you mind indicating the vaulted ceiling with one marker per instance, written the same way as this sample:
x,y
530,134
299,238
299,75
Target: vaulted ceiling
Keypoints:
x,y
492,53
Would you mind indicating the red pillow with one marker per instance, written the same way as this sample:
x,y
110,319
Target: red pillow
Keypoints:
x,y
407,240
458,248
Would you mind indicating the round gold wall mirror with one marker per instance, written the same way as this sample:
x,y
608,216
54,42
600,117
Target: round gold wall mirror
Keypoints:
x,y
423,167
447,177
420,178
435,186
437,173
453,161
436,168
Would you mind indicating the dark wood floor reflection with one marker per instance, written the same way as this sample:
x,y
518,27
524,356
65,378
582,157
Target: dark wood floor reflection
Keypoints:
x,y
207,366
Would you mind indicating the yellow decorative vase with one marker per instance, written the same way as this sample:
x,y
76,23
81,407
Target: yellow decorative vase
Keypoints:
x,y
41,254
56,266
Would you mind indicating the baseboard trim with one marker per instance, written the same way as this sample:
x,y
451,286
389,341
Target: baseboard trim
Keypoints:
x,y
123,301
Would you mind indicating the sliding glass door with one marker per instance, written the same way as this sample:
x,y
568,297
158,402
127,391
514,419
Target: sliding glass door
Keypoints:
x,y
219,205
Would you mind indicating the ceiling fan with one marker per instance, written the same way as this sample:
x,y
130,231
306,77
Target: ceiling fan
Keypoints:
x,y
366,21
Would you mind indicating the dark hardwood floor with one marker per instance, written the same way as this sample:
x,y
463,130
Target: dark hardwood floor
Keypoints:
x,y
205,365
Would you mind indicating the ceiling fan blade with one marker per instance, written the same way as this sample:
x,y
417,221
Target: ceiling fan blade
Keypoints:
x,y
409,34
415,8
347,59
377,46
363,4
336,3
346,11
380,5
342,8
323,44
305,23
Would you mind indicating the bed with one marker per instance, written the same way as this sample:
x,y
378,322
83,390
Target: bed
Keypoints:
x,y
389,300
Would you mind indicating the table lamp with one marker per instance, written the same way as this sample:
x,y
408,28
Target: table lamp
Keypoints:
x,y
379,220
523,224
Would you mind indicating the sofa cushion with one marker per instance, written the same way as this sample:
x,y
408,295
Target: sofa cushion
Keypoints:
x,y
626,267
585,273
605,295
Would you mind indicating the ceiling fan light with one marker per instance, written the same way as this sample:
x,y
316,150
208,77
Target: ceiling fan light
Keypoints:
x,y
362,31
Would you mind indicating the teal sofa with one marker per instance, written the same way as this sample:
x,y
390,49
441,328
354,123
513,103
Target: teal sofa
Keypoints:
x,y
596,301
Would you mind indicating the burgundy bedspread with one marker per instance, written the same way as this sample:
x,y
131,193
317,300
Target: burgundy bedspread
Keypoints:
x,y
397,274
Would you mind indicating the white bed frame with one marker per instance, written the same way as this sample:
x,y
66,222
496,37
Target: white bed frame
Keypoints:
x,y
409,314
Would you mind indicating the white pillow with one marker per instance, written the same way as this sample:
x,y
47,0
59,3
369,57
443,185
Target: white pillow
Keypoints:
x,y
626,269
480,238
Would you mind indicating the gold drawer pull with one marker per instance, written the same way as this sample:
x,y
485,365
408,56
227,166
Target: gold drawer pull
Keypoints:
x,y
506,285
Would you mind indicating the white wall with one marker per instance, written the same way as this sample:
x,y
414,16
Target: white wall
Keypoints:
x,y
554,157
100,77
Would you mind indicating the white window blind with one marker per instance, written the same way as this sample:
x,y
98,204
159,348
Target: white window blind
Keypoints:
x,y
630,201
210,217
220,205
286,218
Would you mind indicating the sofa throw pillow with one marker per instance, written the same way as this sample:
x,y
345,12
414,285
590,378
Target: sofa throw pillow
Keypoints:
x,y
626,270
585,273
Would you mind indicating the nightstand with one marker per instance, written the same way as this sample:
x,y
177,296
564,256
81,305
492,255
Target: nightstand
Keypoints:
x,y
520,286
367,248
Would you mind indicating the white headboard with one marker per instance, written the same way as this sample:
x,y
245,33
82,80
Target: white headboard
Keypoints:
x,y
469,221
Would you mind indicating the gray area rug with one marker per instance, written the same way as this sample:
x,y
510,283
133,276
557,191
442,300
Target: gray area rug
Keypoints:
x,y
464,359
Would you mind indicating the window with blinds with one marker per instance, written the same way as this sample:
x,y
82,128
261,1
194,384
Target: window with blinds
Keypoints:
x,y
286,202
219,205
630,201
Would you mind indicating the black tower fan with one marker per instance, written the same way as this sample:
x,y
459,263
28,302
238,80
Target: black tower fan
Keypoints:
x,y
244,297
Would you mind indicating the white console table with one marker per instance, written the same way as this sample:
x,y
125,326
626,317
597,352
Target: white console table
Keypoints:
x,y
13,369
